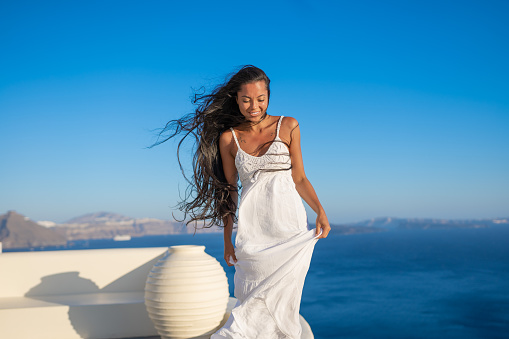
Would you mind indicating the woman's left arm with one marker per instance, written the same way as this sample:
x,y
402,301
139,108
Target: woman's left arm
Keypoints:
x,y
302,184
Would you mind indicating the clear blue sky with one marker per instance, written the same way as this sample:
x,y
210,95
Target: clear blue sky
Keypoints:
x,y
403,105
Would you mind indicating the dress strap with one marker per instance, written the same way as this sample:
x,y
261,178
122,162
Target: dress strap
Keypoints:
x,y
279,125
235,137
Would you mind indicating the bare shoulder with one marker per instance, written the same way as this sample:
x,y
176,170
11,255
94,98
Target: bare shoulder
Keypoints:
x,y
287,130
226,142
288,125
226,137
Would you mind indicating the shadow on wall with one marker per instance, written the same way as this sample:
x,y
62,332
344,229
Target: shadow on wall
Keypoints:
x,y
67,283
94,312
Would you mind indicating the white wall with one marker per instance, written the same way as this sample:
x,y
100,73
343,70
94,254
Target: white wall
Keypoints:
x,y
75,294
65,272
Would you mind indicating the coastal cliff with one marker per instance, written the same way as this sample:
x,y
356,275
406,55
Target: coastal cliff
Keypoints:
x,y
105,225
17,230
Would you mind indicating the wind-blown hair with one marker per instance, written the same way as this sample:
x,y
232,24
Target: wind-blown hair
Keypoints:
x,y
208,196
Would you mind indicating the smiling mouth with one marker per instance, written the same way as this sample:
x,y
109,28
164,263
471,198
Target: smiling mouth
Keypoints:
x,y
255,113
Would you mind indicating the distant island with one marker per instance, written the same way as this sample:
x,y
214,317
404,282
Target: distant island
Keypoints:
x,y
388,223
18,231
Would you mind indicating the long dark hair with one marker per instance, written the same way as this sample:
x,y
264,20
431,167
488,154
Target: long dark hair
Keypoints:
x,y
208,196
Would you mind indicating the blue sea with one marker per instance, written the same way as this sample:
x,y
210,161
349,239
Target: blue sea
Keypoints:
x,y
394,284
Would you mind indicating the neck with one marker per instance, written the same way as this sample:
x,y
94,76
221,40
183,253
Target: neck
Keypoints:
x,y
258,126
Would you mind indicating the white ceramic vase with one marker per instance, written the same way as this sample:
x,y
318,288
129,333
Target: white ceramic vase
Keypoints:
x,y
186,293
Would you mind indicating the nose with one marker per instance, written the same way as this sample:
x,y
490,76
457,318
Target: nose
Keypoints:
x,y
254,105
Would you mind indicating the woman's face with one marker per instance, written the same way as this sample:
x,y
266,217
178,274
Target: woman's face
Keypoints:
x,y
253,99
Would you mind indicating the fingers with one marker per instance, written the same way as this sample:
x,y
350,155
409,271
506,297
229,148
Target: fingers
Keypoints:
x,y
325,231
233,259
317,230
230,259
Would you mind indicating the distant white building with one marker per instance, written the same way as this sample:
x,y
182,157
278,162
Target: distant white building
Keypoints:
x,y
47,224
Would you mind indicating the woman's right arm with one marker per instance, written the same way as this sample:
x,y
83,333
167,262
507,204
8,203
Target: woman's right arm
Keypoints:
x,y
230,172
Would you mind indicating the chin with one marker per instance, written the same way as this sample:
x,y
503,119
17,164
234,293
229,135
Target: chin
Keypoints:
x,y
257,118
260,116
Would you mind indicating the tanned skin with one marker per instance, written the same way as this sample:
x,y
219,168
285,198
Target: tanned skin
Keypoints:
x,y
253,102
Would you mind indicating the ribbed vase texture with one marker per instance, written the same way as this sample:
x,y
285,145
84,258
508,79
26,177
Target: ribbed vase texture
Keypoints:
x,y
186,293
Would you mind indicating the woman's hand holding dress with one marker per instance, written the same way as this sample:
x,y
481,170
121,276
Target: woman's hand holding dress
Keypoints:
x,y
302,184
229,251
322,223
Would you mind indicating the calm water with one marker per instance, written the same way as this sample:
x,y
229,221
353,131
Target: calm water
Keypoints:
x,y
410,284
397,284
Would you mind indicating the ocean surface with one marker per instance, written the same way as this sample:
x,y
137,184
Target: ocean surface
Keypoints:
x,y
394,284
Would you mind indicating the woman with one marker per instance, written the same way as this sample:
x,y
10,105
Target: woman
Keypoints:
x,y
273,246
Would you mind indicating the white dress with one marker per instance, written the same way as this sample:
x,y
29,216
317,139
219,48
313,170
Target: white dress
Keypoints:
x,y
273,247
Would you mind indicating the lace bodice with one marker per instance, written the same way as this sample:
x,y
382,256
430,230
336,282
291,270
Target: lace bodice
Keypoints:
x,y
251,167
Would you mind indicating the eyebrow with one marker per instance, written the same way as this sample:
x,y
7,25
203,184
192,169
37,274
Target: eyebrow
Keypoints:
x,y
245,96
